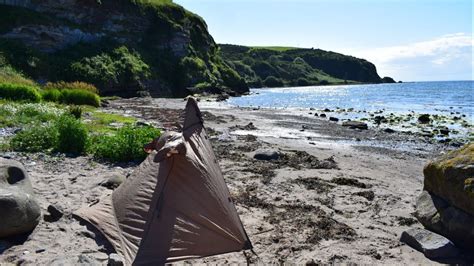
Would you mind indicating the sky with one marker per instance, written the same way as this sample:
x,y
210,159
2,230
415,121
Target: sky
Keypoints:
x,y
409,40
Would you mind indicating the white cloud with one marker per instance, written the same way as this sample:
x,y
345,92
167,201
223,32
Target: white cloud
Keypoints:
x,y
436,54
442,47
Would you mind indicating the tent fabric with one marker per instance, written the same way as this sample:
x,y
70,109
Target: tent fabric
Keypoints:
x,y
175,206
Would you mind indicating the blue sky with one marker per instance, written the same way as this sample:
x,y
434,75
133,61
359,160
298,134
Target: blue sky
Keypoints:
x,y
410,40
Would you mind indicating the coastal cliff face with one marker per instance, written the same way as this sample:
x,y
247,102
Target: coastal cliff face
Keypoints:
x,y
288,66
123,47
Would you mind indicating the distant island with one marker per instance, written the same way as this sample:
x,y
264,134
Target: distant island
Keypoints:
x,y
158,48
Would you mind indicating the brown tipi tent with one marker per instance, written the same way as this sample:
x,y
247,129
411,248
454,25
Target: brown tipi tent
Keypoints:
x,y
175,206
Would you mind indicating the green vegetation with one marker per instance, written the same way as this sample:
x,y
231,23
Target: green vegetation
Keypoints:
x,y
275,48
72,135
48,127
117,67
16,114
100,121
167,54
34,139
19,92
289,66
9,75
79,97
76,85
78,93
125,145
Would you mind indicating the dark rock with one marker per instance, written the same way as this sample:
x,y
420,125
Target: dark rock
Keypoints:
x,y
379,119
104,103
222,97
322,115
444,131
432,245
388,80
55,213
437,215
389,130
355,124
327,110
19,210
112,181
142,124
115,260
249,126
424,118
266,155
334,119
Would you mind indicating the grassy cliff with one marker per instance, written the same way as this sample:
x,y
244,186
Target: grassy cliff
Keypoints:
x,y
287,66
124,47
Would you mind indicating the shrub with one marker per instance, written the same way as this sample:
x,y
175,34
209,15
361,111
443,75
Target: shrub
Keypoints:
x,y
19,92
10,75
271,81
125,145
72,135
35,139
80,97
302,82
51,95
75,111
76,85
120,66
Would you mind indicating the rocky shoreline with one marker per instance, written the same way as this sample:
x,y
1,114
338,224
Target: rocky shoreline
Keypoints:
x,y
307,189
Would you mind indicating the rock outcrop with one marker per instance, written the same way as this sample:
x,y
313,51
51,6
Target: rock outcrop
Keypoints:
x,y
20,212
76,40
446,206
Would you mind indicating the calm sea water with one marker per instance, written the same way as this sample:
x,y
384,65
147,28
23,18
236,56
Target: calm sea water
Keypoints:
x,y
420,97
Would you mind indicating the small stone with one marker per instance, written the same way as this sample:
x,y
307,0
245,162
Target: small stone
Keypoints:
x,y
322,115
389,130
115,260
424,118
142,124
87,233
266,155
334,119
55,213
355,124
112,181
431,244
444,131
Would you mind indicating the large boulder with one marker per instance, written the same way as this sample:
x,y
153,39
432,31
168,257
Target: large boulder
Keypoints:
x,y
20,212
448,176
446,206
439,216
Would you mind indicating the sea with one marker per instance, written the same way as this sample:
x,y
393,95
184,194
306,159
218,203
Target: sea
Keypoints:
x,y
450,99
420,97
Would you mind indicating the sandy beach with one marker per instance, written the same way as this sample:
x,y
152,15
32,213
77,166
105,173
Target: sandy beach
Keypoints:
x,y
334,195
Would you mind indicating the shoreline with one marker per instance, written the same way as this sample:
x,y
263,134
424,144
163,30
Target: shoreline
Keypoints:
x,y
328,198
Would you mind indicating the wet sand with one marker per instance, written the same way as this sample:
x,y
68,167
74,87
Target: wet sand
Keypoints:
x,y
334,195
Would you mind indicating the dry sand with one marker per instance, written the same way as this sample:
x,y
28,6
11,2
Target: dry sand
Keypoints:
x,y
335,195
